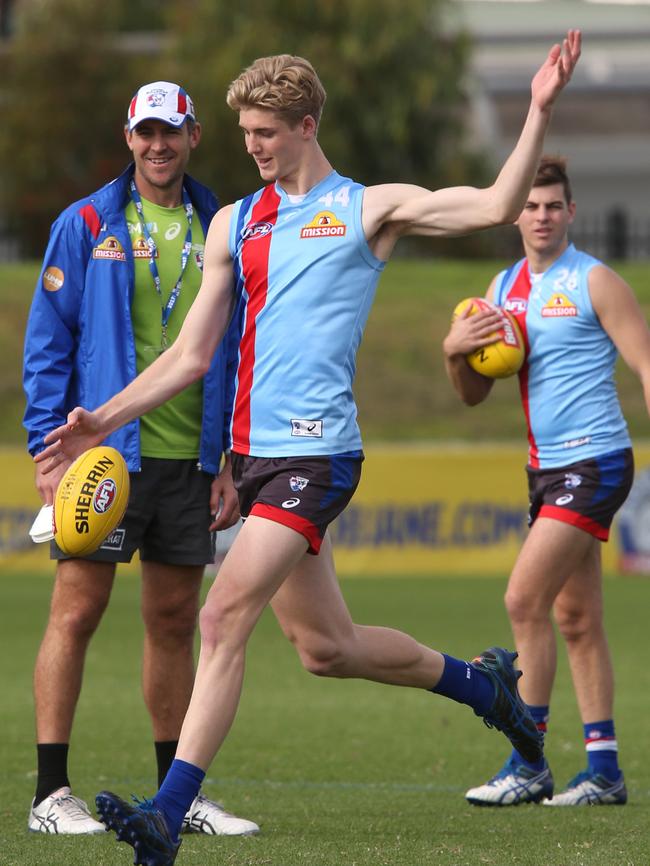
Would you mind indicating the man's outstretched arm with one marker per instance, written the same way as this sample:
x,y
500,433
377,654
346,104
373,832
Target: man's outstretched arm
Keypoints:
x,y
393,210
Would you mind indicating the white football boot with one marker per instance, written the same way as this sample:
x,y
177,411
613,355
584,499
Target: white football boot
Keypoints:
x,y
512,785
206,816
63,813
591,789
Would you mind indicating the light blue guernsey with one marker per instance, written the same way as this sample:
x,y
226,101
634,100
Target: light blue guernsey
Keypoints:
x,y
306,279
567,381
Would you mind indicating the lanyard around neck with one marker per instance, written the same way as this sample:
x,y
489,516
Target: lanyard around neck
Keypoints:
x,y
165,308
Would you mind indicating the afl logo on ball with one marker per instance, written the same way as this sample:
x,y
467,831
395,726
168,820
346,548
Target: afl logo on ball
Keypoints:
x,y
104,496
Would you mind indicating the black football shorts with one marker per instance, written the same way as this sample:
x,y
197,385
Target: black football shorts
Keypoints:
x,y
586,494
303,493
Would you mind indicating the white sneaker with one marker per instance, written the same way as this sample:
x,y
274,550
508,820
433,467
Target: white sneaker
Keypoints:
x,y
206,816
512,785
63,813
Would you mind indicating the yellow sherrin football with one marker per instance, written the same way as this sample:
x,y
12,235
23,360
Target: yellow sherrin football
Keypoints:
x,y
504,357
90,500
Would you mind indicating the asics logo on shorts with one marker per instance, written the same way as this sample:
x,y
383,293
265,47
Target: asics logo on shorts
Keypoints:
x,y
291,503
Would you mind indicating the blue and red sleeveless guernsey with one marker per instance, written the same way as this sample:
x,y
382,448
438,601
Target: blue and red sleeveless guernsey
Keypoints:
x,y
567,382
306,279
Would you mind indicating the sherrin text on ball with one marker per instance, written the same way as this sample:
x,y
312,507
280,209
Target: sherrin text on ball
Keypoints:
x,y
90,500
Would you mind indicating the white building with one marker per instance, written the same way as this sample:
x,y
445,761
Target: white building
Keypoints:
x,y
602,121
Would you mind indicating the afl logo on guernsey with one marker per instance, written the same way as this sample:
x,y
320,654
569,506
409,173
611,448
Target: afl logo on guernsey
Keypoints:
x,y
253,231
324,225
516,306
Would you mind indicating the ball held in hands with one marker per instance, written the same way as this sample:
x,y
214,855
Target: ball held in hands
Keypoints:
x,y
505,356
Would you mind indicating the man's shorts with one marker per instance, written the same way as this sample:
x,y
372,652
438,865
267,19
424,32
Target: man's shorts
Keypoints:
x,y
586,494
167,518
303,493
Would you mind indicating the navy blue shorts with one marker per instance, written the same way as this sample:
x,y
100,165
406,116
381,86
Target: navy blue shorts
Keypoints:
x,y
586,494
303,493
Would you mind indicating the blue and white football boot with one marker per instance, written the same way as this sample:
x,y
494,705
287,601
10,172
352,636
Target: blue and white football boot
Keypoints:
x,y
591,789
514,784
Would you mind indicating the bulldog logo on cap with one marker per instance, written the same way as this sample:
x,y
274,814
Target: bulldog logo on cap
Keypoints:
x,y
156,98
160,100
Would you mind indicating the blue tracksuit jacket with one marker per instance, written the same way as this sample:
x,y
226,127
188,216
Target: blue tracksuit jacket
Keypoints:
x,y
79,346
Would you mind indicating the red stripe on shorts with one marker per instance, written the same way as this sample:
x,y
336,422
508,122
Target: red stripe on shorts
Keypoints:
x,y
575,519
293,521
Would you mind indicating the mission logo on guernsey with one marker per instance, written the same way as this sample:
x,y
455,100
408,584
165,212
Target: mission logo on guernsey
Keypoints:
x,y
324,225
566,423
306,279
559,305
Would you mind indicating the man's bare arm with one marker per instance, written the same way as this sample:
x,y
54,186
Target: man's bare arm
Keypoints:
x,y
622,318
183,363
466,334
393,210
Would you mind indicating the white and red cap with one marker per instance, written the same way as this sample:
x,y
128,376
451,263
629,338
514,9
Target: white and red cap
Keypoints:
x,y
160,100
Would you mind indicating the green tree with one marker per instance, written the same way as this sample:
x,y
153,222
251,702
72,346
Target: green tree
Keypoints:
x,y
395,84
64,86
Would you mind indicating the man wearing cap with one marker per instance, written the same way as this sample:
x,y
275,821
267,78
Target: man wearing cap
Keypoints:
x,y
120,272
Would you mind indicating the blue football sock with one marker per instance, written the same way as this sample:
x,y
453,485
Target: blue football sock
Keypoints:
x,y
602,749
540,717
177,792
465,684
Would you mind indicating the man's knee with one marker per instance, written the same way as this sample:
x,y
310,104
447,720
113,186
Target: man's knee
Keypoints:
x,y
81,593
322,656
167,620
574,622
220,621
79,621
523,608
77,617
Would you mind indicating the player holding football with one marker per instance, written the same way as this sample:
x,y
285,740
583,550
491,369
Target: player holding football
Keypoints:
x,y
120,272
307,250
575,314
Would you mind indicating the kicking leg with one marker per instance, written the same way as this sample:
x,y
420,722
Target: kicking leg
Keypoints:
x,y
314,616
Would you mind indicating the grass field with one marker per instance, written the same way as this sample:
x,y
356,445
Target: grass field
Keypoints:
x,y
336,773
